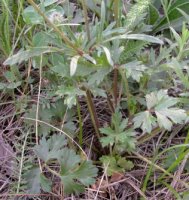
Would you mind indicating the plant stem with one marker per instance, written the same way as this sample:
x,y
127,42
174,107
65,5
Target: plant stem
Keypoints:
x,y
93,114
115,86
110,105
127,91
86,19
56,29
80,123
94,117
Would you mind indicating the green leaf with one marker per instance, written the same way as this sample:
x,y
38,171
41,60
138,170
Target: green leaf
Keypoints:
x,y
31,16
144,120
175,114
186,16
174,16
153,15
118,135
176,36
33,180
25,55
163,121
73,65
68,159
108,55
61,70
103,17
86,173
134,69
161,104
110,163
131,48
89,58
42,150
97,77
143,37
125,164
49,2
70,93
92,5
41,39
160,100
110,139
48,149
74,172
116,164
70,186
46,184
166,116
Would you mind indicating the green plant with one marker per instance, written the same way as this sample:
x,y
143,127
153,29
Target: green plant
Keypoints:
x,y
120,139
160,105
72,167
172,16
75,54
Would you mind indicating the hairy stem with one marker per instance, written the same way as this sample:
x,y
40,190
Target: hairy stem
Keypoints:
x,y
127,91
93,114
